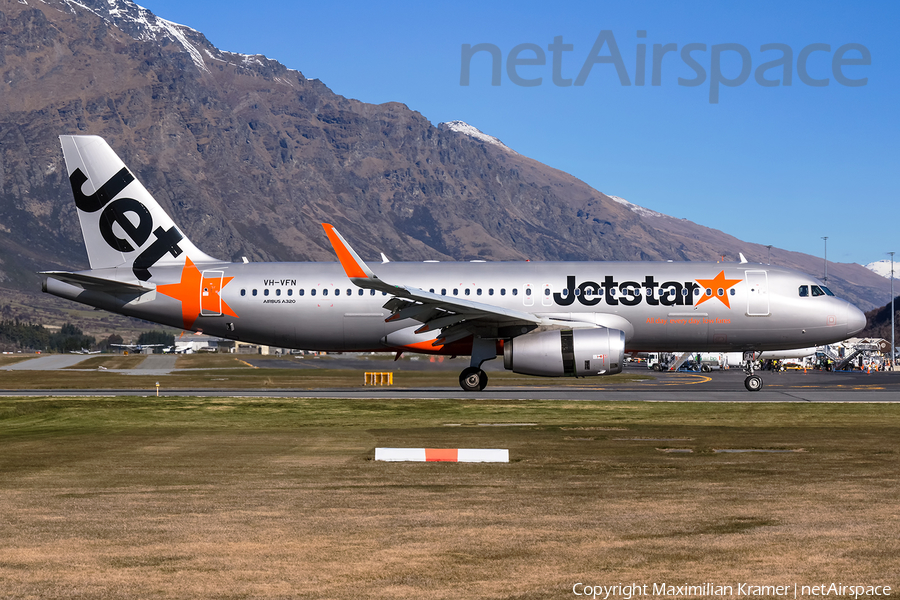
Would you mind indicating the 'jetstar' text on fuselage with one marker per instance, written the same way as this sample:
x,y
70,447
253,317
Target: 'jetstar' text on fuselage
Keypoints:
x,y
591,293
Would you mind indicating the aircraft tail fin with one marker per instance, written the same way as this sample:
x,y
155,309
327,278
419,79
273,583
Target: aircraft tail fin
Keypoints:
x,y
123,226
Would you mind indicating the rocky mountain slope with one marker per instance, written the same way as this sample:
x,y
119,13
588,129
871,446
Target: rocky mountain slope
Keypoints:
x,y
250,157
878,322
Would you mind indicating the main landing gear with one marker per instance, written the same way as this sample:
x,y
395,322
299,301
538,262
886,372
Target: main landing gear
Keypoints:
x,y
753,382
473,379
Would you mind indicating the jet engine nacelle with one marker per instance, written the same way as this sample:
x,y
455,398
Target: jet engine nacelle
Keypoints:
x,y
566,353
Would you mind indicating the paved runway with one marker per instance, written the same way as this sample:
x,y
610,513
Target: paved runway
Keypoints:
x,y
718,386
49,362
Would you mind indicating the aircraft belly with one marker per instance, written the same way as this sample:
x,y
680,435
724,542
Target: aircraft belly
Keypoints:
x,y
363,330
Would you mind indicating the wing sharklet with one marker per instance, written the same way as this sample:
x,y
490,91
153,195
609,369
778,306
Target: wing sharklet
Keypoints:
x,y
354,266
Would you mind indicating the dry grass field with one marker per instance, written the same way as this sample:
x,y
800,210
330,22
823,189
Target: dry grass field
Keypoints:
x,y
280,498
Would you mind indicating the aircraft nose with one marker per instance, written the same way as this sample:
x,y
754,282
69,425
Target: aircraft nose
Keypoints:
x,y
856,320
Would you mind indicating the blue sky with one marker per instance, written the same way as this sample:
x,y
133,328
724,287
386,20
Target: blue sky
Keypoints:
x,y
781,165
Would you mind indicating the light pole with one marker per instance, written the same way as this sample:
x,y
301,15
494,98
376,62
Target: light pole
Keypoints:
x,y
769,254
892,310
825,279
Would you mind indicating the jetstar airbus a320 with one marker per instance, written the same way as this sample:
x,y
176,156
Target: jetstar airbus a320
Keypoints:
x,y
574,319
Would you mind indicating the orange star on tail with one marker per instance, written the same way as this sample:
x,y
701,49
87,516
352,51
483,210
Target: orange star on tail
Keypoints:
x,y
190,292
716,283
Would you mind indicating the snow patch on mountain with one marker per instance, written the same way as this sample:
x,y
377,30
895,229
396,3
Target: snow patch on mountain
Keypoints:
x,y
139,23
644,212
466,129
883,268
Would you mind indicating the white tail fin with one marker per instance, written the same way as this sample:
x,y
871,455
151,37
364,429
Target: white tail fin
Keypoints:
x,y
121,222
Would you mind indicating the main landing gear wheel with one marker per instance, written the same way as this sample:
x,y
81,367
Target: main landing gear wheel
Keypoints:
x,y
753,383
473,379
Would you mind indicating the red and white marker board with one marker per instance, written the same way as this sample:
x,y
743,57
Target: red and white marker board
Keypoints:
x,y
441,455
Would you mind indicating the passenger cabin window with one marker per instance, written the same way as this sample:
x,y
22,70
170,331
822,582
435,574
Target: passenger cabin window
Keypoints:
x,y
290,292
443,291
254,292
266,292
278,292
515,292
804,291
300,291
243,292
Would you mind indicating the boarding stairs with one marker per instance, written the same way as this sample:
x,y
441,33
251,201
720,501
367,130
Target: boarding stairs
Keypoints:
x,y
832,354
863,348
681,360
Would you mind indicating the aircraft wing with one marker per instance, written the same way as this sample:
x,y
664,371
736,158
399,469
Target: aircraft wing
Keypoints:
x,y
455,317
97,284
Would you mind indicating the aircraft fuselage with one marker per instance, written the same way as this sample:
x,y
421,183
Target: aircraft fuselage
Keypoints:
x,y
660,306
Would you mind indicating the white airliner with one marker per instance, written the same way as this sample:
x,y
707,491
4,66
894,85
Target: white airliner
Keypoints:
x,y
553,319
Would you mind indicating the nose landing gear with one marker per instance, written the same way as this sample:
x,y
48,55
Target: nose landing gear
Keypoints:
x,y
753,383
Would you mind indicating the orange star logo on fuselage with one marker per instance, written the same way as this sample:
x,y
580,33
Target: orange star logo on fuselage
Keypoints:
x,y
197,293
715,284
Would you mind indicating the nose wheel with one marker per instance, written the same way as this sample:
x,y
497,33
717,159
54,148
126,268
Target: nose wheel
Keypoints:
x,y
473,379
753,383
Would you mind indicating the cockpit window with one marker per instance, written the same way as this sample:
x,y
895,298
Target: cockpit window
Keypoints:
x,y
817,291
827,291
804,291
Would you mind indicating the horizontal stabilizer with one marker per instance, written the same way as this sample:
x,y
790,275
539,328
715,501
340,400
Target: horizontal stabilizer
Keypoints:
x,y
97,284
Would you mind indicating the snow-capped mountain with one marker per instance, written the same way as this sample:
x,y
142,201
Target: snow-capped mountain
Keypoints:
x,y
144,26
474,132
644,212
251,157
883,268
